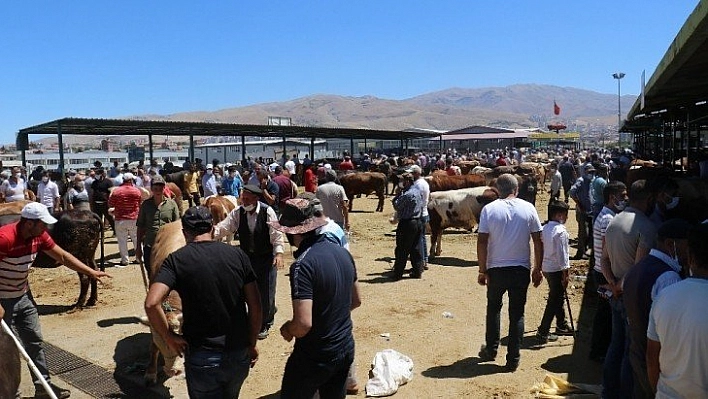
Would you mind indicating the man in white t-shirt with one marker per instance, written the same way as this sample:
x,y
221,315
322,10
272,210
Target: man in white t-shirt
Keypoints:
x,y
505,228
290,166
13,189
424,189
677,336
48,193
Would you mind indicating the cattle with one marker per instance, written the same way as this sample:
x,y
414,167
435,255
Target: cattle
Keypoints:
x,y
10,373
533,168
176,194
528,188
446,183
365,183
220,206
456,208
169,239
10,211
466,166
78,232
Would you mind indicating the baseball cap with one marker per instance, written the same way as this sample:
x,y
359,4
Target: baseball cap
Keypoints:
x,y
128,176
414,169
197,219
157,179
37,211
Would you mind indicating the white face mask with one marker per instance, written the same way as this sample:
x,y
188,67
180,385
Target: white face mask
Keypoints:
x,y
621,205
249,208
45,179
18,176
673,204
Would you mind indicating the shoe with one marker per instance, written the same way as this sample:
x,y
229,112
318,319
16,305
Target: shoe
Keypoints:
x,y
353,390
485,355
510,367
121,265
263,334
417,275
543,339
425,266
60,393
564,331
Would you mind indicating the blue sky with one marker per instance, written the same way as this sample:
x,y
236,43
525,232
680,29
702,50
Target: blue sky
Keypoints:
x,y
118,58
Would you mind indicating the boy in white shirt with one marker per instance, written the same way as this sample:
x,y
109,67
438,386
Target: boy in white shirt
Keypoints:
x,y
555,266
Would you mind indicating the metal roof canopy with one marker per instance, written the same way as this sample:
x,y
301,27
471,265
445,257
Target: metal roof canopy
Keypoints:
x,y
681,78
126,127
86,126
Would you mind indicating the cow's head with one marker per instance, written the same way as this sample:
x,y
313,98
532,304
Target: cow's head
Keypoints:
x,y
488,196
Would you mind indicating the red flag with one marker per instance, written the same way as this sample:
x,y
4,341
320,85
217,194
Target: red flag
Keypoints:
x,y
556,108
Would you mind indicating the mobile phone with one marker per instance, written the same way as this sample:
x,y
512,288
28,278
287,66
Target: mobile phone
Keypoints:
x,y
605,292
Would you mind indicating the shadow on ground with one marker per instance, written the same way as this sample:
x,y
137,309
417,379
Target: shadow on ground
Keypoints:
x,y
119,320
464,368
453,262
44,310
131,358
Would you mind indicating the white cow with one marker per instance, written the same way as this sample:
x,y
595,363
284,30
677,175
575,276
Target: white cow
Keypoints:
x,y
456,208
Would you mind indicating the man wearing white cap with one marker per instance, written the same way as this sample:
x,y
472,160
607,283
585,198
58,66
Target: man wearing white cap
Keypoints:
x,y
19,244
209,182
126,199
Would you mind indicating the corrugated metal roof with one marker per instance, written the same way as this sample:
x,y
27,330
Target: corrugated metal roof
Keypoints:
x,y
477,130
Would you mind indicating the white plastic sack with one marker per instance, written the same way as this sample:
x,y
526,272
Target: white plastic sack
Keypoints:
x,y
390,370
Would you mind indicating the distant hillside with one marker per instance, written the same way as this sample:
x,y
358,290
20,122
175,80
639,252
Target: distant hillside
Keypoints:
x,y
516,106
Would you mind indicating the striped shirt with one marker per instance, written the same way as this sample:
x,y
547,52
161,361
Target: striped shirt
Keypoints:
x,y
598,233
16,257
126,200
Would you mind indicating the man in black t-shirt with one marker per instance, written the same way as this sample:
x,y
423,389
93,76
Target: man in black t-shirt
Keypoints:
x,y
100,191
221,308
324,291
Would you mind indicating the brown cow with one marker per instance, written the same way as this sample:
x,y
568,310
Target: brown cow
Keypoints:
x,y
220,206
365,183
10,373
169,239
10,211
78,232
456,208
177,196
445,183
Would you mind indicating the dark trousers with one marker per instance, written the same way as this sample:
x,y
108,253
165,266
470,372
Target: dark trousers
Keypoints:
x,y
423,243
101,209
305,376
193,198
212,374
554,305
617,373
601,323
515,280
585,232
408,244
266,277
147,258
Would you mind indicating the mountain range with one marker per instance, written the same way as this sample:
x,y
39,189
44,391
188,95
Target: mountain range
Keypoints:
x,y
515,106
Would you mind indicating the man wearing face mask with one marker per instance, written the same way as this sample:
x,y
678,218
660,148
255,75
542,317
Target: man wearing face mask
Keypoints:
x,y
615,200
667,199
100,189
628,239
409,207
13,189
262,243
209,182
48,193
581,193
658,270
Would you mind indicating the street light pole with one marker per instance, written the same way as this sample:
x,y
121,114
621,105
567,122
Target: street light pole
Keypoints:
x,y
618,76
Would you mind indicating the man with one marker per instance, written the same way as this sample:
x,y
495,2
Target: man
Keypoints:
x,y
13,189
286,187
114,170
596,188
19,244
101,191
667,199
154,212
346,165
678,332
270,192
424,189
503,250
191,185
125,199
408,204
48,193
582,195
556,182
629,238
642,285
310,177
568,173
209,182
290,165
615,200
221,309
231,185
262,243
324,291
334,200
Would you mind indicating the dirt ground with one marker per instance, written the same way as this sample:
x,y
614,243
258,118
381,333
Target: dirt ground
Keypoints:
x,y
444,350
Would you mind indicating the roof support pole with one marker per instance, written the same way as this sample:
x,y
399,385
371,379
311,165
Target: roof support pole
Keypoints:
x,y
150,147
366,148
351,146
243,148
61,149
441,144
191,146
285,149
312,149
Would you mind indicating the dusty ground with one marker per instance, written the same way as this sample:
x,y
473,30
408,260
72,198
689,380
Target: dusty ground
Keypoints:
x,y
444,350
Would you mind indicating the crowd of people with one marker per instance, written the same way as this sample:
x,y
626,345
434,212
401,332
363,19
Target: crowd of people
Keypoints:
x,y
650,268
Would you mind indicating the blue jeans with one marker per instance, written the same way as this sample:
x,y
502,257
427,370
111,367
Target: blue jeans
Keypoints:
x,y
212,374
423,243
514,280
305,376
22,314
617,372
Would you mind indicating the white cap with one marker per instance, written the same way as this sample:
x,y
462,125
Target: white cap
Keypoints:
x,y
414,169
210,166
37,211
327,166
128,176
